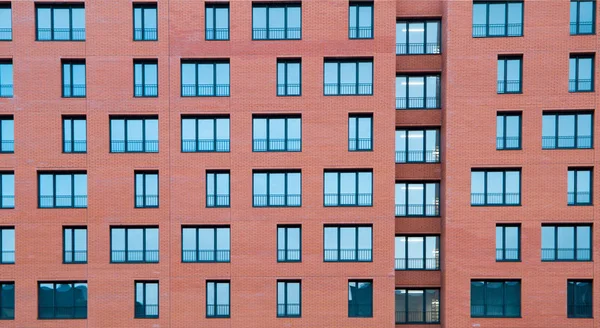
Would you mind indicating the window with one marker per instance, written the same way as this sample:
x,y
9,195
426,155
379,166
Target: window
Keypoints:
x,y
7,189
417,306
289,77
579,189
73,74
205,78
75,244
145,26
497,18
289,244
74,134
418,92
217,189
495,299
7,300
217,299
204,134
288,298
581,73
277,188
579,299
60,22
348,243
567,130
496,187
7,245
417,252
146,78
360,298
348,77
508,131
6,78
360,20
583,17
205,244
509,74
348,188
418,146
5,22
62,189
418,37
508,243
134,134
134,244
276,133
276,21
360,132
417,199
146,299
146,189
217,21
7,134
566,243
62,300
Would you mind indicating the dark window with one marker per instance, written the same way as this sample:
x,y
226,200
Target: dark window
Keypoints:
x,y
217,189
205,244
277,188
217,299
566,243
62,300
360,132
417,306
360,20
276,21
509,74
7,189
205,78
496,187
583,17
348,244
146,299
6,79
508,130
417,252
217,21
73,74
348,77
495,299
289,243
581,73
348,188
5,22
418,146
567,130
289,77
145,78
579,299
288,298
146,189
579,188
276,133
62,190
508,242
134,134
74,134
497,18
60,22
7,300
145,25
417,199
7,245
204,134
134,244
418,92
75,244
7,133
360,298
418,37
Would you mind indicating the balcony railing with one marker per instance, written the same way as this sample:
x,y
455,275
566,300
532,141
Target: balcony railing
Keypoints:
x,y
62,312
418,156
193,255
430,263
417,317
509,86
288,89
579,311
566,254
78,201
586,27
216,311
418,48
147,256
350,255
491,30
6,90
580,85
579,198
348,89
508,143
288,144
73,90
361,32
5,34
553,142
217,200
417,103
145,34
75,257
7,146
133,146
204,145
349,199
507,254
495,311
495,198
291,33
7,201
276,200
205,90
146,200
146,311
146,90
288,255
217,33
417,209
288,310
61,34
7,257
357,144
75,146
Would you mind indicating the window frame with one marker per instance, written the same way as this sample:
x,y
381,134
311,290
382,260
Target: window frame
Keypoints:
x,y
357,193
286,249
358,5
73,251
54,284
268,187
359,281
436,46
506,27
4,198
71,86
73,142
577,57
285,305
338,84
2,251
406,205
215,86
10,29
286,85
486,171
502,85
406,259
571,298
424,309
6,317
504,298
52,6
143,63
576,135
144,287
287,141
503,250
578,23
142,6
437,156
146,144
357,147
225,142
213,193
73,196
215,249
576,249
4,142
424,98
269,6
144,195
214,6
501,142
10,87
576,171
126,249
356,249
216,301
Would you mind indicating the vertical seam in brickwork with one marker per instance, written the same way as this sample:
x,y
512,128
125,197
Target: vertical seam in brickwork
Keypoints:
x,y
169,148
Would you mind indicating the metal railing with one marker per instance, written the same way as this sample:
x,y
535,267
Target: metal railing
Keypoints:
x,y
217,200
7,201
75,146
360,32
418,156
193,255
418,103
495,198
146,200
579,197
507,254
422,263
553,142
73,90
6,34
348,89
288,89
350,255
487,30
288,144
134,146
146,90
417,317
146,310
61,34
7,257
217,33
353,199
288,310
508,142
501,310
145,34
418,48
122,256
586,27
205,90
6,90
417,209
579,311
204,145
62,312
276,200
580,85
509,86
566,254
78,201
355,144
288,255
75,257
7,146
290,33
215,311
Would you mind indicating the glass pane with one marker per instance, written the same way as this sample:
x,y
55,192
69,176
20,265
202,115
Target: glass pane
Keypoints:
x,y
259,17
206,239
117,239
479,14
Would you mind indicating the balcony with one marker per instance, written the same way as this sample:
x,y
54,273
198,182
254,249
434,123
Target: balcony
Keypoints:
x,y
134,146
353,199
567,142
146,90
417,156
61,34
417,317
496,30
493,199
348,89
75,257
359,144
219,255
204,145
288,310
145,34
418,103
417,263
418,48
146,201
362,32
509,86
75,146
417,210
288,255
507,254
290,33
566,254
274,200
205,90
135,256
217,311
63,201
267,145
73,90
217,200
508,143
347,255
288,89
217,33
